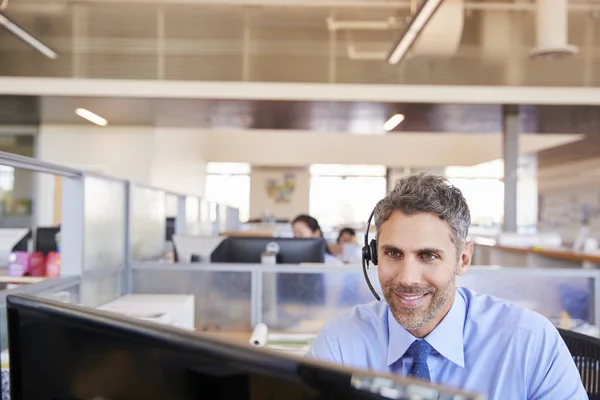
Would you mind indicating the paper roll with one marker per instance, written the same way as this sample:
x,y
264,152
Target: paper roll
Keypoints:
x,y
259,335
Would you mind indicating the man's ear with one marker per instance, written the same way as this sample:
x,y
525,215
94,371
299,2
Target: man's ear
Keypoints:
x,y
465,258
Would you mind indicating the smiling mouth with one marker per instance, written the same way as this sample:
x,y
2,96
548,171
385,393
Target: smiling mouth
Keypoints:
x,y
411,300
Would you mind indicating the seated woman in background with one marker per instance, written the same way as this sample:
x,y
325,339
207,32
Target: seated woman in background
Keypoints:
x,y
305,226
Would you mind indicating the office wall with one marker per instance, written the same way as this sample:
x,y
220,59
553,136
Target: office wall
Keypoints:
x,y
568,194
268,191
166,158
178,163
122,152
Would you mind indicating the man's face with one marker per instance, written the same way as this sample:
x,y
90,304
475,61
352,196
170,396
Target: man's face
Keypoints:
x,y
418,264
346,238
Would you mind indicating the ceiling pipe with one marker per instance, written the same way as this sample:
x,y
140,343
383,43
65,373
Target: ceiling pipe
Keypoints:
x,y
552,29
382,25
372,55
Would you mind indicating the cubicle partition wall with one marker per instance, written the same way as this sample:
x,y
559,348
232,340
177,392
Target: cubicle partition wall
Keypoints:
x,y
105,224
148,223
235,297
103,220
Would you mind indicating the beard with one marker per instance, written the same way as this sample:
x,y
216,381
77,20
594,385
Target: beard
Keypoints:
x,y
415,318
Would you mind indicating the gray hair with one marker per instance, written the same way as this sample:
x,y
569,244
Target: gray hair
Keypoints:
x,y
426,193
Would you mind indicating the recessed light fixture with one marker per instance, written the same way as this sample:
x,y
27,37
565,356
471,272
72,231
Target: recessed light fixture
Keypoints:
x,y
90,116
393,122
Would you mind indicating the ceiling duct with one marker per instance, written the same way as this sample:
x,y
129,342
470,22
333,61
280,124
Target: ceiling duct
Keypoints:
x,y
442,34
552,29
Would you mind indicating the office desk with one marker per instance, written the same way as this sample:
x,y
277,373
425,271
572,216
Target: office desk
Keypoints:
x,y
488,252
238,337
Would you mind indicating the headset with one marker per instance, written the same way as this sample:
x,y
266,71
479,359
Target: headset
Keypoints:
x,y
369,254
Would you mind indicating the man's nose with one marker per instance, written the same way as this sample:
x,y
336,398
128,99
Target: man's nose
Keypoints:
x,y
409,273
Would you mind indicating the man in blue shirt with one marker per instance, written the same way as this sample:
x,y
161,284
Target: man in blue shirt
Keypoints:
x,y
430,329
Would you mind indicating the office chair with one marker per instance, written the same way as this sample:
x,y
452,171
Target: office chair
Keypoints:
x,y
585,350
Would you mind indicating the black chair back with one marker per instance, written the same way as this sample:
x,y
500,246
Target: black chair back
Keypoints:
x,y
585,350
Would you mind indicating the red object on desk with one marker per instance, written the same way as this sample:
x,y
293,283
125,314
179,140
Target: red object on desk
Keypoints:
x,y
53,264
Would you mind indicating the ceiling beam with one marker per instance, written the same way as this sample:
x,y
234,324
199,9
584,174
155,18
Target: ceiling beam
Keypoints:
x,y
456,94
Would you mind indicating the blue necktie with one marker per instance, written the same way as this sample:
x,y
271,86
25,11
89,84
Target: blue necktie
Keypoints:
x,y
419,350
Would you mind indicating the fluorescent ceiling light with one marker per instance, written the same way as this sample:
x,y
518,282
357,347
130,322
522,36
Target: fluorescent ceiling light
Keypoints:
x,y
26,37
90,116
393,122
413,30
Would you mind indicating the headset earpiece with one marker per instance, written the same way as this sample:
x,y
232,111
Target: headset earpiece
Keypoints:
x,y
369,254
373,251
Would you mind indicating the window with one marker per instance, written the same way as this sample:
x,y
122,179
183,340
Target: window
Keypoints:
x,y
7,179
345,194
229,183
485,198
483,189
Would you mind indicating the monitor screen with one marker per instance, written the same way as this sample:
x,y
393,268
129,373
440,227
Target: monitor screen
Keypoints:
x,y
45,239
241,249
169,229
60,351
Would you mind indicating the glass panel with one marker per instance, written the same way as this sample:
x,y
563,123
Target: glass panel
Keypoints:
x,y
560,298
192,216
70,295
104,209
148,224
95,292
303,302
222,299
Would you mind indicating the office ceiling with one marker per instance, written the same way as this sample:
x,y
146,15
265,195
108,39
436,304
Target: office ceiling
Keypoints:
x,y
290,40
306,116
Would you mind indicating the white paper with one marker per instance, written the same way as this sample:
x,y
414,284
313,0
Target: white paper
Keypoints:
x,y
292,337
259,335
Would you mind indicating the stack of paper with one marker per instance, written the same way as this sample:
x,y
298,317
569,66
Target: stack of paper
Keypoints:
x,y
290,343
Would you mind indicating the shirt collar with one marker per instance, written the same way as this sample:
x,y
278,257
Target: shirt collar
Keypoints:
x,y
446,338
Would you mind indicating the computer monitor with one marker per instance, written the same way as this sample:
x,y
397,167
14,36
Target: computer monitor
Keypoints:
x,y
60,351
246,249
45,239
169,229
22,244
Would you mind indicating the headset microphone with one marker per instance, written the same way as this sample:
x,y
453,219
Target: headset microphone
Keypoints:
x,y
369,253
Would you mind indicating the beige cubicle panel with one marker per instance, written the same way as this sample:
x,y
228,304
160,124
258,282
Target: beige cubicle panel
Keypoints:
x,y
57,200
58,194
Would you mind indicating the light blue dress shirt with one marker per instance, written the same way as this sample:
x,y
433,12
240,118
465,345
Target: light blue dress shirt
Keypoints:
x,y
483,345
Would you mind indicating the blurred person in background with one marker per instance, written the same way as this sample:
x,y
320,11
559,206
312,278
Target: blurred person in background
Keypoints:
x,y
347,236
305,226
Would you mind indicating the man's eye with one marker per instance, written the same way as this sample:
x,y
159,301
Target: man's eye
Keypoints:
x,y
429,256
393,253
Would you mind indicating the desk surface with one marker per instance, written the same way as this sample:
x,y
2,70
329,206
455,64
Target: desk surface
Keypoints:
x,y
552,253
238,337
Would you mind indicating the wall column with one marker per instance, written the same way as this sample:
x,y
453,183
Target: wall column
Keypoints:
x,y
510,151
